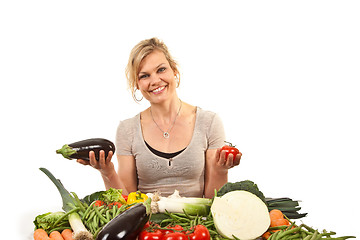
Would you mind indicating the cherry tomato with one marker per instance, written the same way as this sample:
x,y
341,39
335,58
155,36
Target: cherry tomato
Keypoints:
x,y
200,233
145,235
99,203
114,204
230,149
175,236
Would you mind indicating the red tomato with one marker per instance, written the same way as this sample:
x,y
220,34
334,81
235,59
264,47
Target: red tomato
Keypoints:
x,y
175,236
230,149
200,233
145,235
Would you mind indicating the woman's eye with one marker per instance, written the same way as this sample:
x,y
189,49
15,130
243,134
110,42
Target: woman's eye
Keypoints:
x,y
162,69
143,76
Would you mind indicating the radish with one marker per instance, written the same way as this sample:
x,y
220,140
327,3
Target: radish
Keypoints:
x,y
240,214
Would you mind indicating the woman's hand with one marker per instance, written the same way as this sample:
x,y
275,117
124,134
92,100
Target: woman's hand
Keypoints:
x,y
105,166
231,161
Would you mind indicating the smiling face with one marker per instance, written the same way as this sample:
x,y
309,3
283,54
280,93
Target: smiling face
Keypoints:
x,y
156,79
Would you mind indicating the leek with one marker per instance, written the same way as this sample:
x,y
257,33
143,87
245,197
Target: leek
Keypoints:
x,y
177,204
79,230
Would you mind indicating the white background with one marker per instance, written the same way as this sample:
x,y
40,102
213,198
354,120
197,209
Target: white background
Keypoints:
x,y
283,75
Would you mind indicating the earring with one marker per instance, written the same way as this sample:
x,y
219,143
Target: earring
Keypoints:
x,y
177,81
135,98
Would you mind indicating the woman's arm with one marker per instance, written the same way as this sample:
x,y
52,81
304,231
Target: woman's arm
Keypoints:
x,y
125,178
215,174
127,173
216,170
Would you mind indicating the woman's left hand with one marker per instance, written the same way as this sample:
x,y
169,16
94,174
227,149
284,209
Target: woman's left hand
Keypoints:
x,y
229,162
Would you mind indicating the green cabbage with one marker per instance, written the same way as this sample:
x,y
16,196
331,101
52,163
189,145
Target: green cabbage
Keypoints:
x,y
245,185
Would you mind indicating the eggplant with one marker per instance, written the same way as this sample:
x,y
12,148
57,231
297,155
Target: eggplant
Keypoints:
x,y
81,149
127,225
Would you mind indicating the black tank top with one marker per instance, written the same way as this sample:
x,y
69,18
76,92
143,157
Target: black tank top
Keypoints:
x,y
163,154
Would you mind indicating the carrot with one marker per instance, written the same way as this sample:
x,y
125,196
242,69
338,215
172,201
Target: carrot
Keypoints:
x,y
67,234
56,235
276,214
40,234
276,219
279,222
266,235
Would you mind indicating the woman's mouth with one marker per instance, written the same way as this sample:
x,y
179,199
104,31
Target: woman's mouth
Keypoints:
x,y
158,90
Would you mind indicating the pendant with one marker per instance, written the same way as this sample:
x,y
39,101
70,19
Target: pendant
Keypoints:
x,y
166,135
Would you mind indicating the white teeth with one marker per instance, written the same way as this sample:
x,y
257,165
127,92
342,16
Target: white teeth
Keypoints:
x,y
158,89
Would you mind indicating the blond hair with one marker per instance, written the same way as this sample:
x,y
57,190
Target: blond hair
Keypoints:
x,y
138,53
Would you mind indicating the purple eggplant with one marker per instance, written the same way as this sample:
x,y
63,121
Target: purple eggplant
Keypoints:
x,y
81,149
128,224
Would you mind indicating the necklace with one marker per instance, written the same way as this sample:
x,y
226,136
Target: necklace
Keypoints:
x,y
166,133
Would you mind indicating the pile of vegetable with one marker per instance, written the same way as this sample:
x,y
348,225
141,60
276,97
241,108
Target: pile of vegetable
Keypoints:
x,y
238,211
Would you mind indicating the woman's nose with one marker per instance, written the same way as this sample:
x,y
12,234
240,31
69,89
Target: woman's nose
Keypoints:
x,y
154,79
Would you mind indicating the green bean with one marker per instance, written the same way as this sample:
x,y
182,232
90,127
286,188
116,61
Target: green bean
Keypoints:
x,y
303,234
287,232
114,211
87,211
213,232
308,228
107,213
99,214
278,227
168,220
209,226
177,218
89,226
273,236
119,210
91,215
101,211
308,237
235,237
96,232
315,235
184,225
187,215
96,221
101,222
294,236
328,234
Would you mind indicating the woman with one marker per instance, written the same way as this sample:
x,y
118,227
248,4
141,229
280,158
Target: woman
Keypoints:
x,y
170,145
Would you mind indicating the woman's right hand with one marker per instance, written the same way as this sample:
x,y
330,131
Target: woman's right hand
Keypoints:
x,y
105,166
